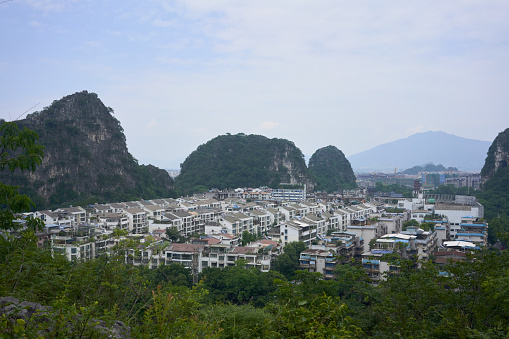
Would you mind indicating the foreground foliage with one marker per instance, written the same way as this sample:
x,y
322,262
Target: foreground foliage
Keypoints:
x,y
462,300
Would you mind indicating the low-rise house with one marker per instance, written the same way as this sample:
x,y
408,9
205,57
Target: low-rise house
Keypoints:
x,y
110,221
288,212
319,260
398,241
188,255
442,228
425,241
138,220
460,246
443,257
117,207
349,245
255,257
368,230
76,243
237,223
77,214
99,208
150,252
275,216
377,265
261,220
331,221
227,239
471,229
185,222
317,222
296,230
154,212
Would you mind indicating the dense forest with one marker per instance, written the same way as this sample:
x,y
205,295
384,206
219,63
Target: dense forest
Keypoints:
x,y
332,170
243,161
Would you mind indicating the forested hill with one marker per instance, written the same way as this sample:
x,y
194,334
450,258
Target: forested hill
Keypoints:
x,y
495,178
230,161
331,170
86,157
428,168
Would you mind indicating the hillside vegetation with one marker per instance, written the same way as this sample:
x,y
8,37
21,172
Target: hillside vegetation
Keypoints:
x,y
85,157
231,161
331,170
495,188
428,168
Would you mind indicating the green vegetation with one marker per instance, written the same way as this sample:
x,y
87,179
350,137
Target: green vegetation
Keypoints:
x,y
411,222
87,160
18,151
331,170
495,190
241,161
287,263
404,190
428,168
469,301
502,142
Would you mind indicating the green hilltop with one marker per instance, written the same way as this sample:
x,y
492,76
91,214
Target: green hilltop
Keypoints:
x,y
331,170
231,161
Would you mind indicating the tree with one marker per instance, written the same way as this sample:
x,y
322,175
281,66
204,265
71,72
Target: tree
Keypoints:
x,y
411,222
288,262
303,311
18,151
174,235
247,238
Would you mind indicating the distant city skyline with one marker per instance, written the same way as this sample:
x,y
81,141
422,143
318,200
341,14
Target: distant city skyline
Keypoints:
x,y
350,74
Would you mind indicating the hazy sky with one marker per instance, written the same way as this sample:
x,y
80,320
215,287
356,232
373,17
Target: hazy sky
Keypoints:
x,y
353,74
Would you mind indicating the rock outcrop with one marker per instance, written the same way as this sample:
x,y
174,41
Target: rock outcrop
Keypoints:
x,y
40,320
86,157
498,156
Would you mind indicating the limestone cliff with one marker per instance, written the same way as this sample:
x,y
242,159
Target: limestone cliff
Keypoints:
x,y
498,156
86,157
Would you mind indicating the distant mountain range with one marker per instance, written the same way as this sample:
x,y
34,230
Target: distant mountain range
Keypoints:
x,y
421,148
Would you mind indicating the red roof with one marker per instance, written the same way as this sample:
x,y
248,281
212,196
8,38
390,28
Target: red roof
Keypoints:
x,y
245,250
185,247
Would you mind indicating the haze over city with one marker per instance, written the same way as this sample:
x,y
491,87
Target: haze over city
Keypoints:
x,y
349,74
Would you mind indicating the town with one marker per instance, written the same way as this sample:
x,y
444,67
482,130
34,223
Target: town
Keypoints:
x,y
220,228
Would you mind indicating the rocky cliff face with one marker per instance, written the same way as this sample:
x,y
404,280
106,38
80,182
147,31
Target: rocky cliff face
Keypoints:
x,y
86,157
498,156
332,170
241,160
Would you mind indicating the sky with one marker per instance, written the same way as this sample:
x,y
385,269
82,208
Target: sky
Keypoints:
x,y
353,74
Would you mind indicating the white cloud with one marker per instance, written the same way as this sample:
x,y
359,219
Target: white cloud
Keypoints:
x,y
317,73
267,125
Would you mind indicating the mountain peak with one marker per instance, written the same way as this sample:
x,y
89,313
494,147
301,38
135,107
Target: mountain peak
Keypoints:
x,y
431,146
86,156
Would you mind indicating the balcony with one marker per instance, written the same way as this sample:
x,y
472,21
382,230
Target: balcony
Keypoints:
x,y
307,264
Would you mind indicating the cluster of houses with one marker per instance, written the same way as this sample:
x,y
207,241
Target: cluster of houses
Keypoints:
x,y
213,227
